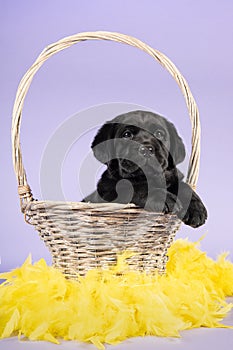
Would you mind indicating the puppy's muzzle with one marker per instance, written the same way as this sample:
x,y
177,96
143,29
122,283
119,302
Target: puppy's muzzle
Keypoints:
x,y
146,151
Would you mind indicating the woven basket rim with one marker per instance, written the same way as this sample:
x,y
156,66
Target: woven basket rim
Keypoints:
x,y
24,189
93,207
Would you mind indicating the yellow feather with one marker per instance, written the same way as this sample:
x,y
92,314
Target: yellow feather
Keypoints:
x,y
108,306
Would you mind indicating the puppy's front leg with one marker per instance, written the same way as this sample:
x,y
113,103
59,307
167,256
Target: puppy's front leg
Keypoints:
x,y
162,201
94,197
194,212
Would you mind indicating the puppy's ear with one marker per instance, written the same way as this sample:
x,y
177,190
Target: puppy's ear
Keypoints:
x,y
101,146
177,149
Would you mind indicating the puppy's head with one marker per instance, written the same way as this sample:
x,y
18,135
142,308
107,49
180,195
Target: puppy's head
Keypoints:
x,y
139,140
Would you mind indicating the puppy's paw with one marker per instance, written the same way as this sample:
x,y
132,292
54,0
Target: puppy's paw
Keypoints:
x,y
196,214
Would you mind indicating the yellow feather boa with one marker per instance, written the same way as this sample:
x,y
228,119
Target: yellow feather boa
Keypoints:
x,y
36,301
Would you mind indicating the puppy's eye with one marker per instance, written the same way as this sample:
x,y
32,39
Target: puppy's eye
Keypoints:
x,y
160,134
127,134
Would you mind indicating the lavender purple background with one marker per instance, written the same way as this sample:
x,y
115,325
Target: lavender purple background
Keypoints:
x,y
195,35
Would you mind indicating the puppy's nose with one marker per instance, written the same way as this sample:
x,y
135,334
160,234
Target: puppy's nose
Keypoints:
x,y
146,150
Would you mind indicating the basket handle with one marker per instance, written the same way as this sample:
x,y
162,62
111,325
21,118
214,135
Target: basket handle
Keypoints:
x,y
23,187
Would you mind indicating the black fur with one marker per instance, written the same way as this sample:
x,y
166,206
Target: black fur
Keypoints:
x,y
141,150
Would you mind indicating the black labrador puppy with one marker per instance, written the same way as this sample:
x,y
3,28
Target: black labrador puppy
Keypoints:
x,y
141,150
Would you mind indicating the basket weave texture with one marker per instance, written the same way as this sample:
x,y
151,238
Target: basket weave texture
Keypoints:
x,y
82,236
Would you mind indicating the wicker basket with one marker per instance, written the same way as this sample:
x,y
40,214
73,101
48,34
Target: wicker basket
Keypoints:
x,y
82,236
